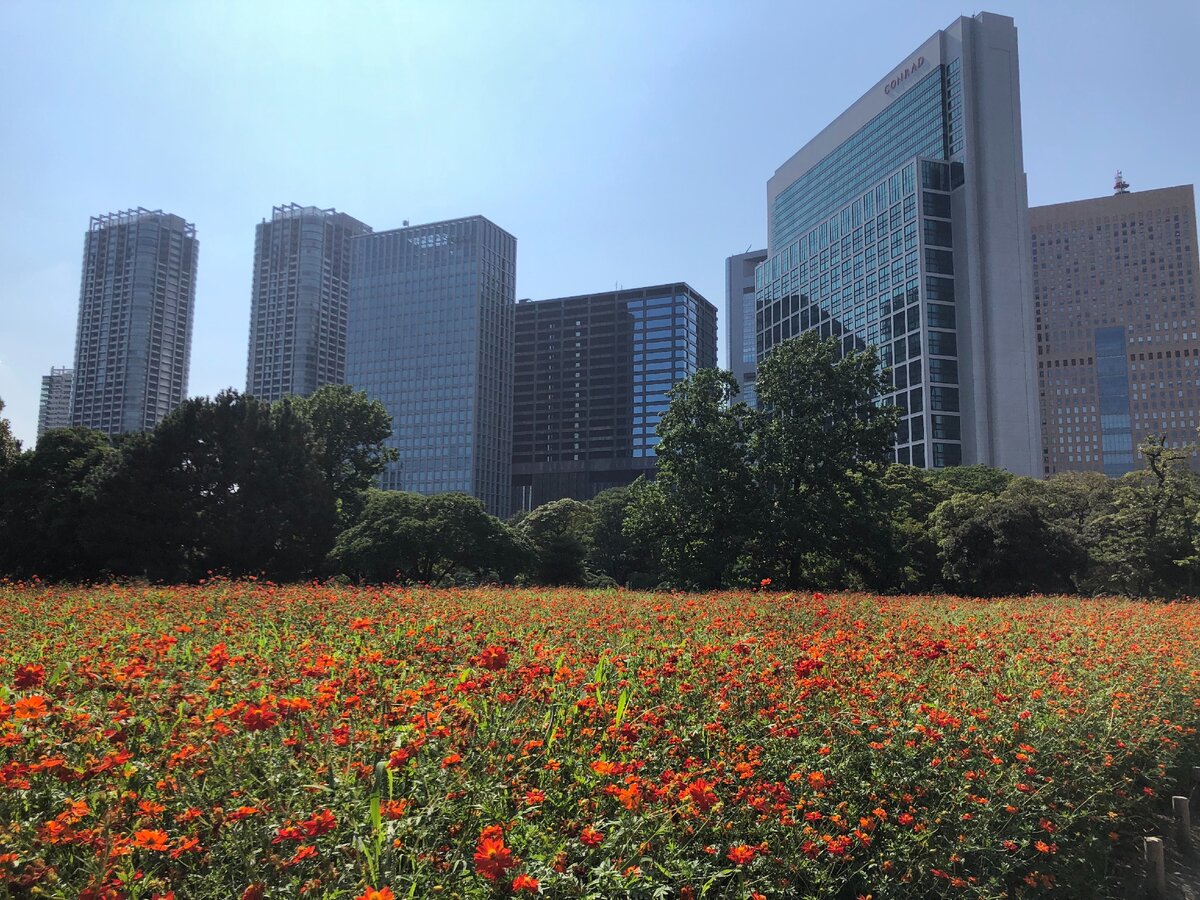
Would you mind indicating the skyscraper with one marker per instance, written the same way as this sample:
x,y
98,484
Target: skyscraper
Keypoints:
x,y
431,336
54,411
301,296
591,381
1115,293
740,344
134,338
905,224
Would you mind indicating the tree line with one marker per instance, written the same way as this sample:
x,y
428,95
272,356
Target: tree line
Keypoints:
x,y
795,494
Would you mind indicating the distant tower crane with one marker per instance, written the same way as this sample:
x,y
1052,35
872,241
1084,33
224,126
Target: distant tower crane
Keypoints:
x,y
1120,185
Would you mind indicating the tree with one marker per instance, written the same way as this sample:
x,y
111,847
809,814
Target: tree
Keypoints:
x,y
1147,537
991,545
975,480
228,485
348,434
611,552
49,506
819,442
695,515
558,534
904,553
411,538
10,447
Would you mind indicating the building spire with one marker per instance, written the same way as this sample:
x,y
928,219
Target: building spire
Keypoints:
x,y
1120,185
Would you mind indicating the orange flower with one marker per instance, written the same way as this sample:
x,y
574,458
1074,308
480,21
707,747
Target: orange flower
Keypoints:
x,y
492,857
590,837
31,707
493,658
740,855
149,839
526,883
376,894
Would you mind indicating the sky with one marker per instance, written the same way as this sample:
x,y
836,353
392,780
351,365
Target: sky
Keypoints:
x,y
623,142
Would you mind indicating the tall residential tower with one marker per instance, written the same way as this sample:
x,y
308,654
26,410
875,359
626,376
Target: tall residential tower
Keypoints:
x,y
133,343
54,411
1115,293
300,301
904,224
431,336
591,381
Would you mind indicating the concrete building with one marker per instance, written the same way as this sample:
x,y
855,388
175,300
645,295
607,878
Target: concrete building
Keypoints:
x,y
590,385
904,224
134,337
740,344
54,411
1115,292
300,301
431,335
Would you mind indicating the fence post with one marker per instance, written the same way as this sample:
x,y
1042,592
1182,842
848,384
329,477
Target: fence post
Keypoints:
x,y
1183,824
1156,874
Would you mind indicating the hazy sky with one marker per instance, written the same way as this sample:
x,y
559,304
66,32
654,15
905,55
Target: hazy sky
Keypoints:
x,y
621,142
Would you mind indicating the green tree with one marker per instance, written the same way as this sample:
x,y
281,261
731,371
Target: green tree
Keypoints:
x,y
10,447
695,516
1004,544
411,538
348,435
818,448
1147,535
229,485
611,552
50,511
558,534
904,552
975,480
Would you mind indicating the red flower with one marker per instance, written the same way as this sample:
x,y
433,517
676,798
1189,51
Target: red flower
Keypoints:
x,y
740,855
700,792
306,851
493,658
492,857
259,718
526,883
29,676
376,894
590,837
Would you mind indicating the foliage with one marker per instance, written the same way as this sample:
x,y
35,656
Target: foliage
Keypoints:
x,y
696,513
348,435
249,740
10,447
558,534
611,552
416,539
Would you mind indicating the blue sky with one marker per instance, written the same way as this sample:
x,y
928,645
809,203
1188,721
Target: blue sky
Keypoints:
x,y
621,142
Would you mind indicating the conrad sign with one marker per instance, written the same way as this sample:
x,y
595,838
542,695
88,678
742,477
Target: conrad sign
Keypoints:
x,y
894,83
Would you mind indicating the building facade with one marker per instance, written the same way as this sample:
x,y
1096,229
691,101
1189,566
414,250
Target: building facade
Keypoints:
x,y
904,224
431,336
134,337
300,301
1115,294
54,411
591,381
740,334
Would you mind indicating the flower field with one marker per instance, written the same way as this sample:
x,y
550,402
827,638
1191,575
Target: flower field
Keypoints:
x,y
248,740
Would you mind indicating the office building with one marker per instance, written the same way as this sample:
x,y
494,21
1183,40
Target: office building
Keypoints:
x,y
591,381
740,343
54,411
1115,291
904,224
134,337
431,336
300,301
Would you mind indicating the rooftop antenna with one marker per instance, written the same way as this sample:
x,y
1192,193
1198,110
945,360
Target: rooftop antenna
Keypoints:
x,y
405,223
1120,185
748,246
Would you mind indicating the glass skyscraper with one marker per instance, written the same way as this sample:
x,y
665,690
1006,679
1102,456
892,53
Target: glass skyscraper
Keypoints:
x,y
904,224
134,337
300,300
591,382
431,336
54,411
740,344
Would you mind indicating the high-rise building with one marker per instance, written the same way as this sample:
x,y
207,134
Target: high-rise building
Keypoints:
x,y
300,301
54,411
134,338
1115,292
431,336
740,344
591,381
904,224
